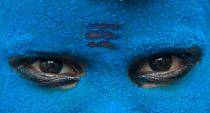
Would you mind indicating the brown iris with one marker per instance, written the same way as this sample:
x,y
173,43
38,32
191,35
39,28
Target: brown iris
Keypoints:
x,y
160,63
51,66
49,71
163,68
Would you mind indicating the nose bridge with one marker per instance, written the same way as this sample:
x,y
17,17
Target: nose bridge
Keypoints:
x,y
109,71
108,78
110,88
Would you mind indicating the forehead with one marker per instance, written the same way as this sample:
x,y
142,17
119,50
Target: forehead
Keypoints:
x,y
42,25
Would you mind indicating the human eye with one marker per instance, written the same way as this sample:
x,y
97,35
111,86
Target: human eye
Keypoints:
x,y
163,68
52,71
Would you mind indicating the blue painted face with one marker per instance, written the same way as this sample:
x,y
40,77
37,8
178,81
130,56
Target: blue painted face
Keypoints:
x,y
107,36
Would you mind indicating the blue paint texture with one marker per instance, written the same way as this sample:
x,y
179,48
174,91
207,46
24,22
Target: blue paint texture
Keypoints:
x,y
148,26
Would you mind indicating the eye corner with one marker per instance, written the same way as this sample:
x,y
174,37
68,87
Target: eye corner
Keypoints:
x,y
66,78
196,53
187,59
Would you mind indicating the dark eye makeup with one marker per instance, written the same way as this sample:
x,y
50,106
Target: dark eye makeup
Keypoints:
x,y
163,68
49,70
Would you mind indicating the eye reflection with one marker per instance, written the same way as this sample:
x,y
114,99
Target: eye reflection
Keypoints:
x,y
161,63
50,66
49,71
163,68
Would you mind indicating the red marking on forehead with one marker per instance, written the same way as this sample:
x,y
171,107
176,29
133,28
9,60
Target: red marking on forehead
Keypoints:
x,y
103,32
104,26
102,44
100,34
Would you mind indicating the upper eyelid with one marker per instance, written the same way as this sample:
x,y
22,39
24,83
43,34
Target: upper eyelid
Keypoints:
x,y
193,51
16,61
33,55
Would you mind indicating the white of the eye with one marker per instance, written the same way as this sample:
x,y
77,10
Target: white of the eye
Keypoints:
x,y
66,68
176,62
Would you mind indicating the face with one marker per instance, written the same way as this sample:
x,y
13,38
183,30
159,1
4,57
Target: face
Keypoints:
x,y
92,56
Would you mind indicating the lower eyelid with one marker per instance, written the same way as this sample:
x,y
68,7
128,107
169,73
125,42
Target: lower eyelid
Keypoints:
x,y
45,80
165,75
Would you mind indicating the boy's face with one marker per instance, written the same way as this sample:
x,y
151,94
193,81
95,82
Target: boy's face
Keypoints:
x,y
108,37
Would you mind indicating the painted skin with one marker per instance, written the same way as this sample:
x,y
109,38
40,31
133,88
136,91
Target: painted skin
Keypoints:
x,y
32,26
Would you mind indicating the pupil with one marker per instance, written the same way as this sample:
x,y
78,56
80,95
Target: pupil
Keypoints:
x,y
51,66
161,63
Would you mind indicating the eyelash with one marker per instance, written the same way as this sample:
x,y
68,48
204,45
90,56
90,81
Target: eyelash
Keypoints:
x,y
140,72
186,60
28,67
